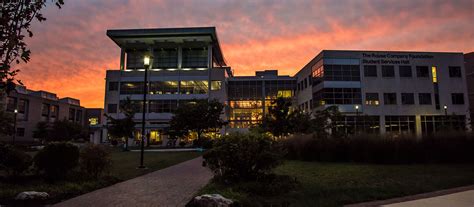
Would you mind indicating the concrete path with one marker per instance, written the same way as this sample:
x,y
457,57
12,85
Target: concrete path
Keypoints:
x,y
461,199
172,150
172,186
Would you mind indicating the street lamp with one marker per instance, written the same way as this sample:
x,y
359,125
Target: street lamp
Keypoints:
x,y
14,126
357,117
445,110
146,65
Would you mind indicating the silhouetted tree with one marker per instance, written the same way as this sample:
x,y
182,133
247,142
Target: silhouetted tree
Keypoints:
x,y
197,116
15,21
277,121
123,128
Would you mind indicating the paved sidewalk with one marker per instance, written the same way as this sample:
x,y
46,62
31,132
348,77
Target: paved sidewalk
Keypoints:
x,y
461,199
172,186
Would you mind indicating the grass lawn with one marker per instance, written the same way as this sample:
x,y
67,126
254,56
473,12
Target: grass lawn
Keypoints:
x,y
336,184
124,168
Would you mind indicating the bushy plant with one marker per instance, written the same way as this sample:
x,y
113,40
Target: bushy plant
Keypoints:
x,y
243,156
382,150
95,160
203,142
13,161
56,159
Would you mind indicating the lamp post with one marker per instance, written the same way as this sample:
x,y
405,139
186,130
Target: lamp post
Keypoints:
x,y
445,110
357,117
146,64
14,126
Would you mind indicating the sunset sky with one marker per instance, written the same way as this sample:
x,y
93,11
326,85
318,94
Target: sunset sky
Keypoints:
x,y
70,51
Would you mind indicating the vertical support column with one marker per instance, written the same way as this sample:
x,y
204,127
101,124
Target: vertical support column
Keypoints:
x,y
382,125
209,67
180,64
122,59
418,131
263,100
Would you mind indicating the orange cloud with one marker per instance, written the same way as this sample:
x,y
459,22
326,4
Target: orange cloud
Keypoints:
x,y
71,51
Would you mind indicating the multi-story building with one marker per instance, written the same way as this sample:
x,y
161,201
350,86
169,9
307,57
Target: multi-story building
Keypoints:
x,y
36,106
250,96
469,65
388,92
376,91
187,64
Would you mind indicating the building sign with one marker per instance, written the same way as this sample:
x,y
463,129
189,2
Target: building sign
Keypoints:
x,y
93,121
391,58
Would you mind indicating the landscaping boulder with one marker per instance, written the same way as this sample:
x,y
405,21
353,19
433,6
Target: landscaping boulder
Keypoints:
x,y
31,195
210,200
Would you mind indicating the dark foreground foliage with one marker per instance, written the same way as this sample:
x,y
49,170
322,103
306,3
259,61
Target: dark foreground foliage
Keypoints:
x,y
382,150
56,160
243,157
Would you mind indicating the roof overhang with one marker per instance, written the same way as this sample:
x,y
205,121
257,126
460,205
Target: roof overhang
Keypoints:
x,y
136,38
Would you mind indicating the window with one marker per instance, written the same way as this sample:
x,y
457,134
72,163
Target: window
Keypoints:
x,y
45,110
113,86
372,99
163,106
388,71
357,124
193,87
195,57
11,104
78,115
341,72
164,87
54,111
340,96
23,106
408,98
405,71
424,98
72,113
455,72
112,108
20,132
457,98
216,85
165,58
370,70
390,98
432,124
131,87
422,71
305,83
400,124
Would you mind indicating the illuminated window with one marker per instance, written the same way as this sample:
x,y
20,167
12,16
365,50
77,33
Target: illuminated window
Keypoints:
x,y
164,87
284,93
131,87
372,99
93,121
193,87
435,76
155,137
216,85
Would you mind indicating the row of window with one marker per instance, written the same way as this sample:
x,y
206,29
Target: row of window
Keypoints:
x,y
409,98
168,58
47,110
166,87
254,89
153,106
405,71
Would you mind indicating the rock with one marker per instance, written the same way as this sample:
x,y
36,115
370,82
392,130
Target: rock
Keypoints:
x,y
210,200
32,195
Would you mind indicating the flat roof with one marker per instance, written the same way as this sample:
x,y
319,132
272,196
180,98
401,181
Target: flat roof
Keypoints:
x,y
118,34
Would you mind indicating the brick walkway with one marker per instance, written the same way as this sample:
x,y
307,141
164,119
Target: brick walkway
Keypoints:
x,y
172,186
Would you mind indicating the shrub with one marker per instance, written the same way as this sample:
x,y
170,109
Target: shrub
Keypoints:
x,y
57,159
95,160
243,156
382,150
203,142
13,161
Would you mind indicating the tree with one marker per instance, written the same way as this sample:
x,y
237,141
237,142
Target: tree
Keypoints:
x,y
123,128
197,116
15,20
6,122
277,121
64,130
42,130
300,122
324,122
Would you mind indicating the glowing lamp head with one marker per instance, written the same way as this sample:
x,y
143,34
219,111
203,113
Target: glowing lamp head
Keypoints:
x,y
445,107
146,61
16,111
357,107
